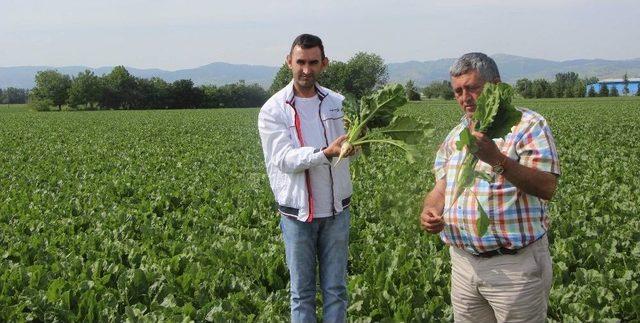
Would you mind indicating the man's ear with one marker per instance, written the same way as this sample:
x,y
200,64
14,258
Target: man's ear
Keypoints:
x,y
325,63
287,60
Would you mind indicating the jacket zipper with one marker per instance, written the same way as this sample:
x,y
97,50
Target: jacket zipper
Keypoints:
x,y
326,140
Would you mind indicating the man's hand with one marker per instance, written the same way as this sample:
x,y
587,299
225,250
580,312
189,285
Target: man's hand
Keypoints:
x,y
334,148
488,151
532,181
431,220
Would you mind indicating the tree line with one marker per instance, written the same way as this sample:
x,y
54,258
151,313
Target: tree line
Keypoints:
x,y
359,76
567,85
12,95
121,90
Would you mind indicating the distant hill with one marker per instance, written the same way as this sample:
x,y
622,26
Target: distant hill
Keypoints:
x,y
511,67
214,73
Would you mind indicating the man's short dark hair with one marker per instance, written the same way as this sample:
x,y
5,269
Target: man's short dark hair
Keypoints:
x,y
307,41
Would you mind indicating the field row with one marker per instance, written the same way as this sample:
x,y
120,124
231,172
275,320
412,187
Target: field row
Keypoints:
x,y
168,215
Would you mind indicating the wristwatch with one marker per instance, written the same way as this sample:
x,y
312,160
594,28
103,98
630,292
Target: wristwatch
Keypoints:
x,y
499,168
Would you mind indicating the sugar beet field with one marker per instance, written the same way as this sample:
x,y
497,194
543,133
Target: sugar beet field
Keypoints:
x,y
168,215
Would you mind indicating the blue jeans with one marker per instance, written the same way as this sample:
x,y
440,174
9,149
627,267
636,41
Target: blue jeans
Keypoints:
x,y
328,240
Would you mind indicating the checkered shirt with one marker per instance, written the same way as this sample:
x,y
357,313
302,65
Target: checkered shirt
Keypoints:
x,y
516,218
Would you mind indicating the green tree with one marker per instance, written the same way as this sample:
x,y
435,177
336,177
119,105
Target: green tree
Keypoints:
x,y
282,78
625,89
590,80
563,86
335,76
213,97
3,98
411,91
438,89
39,104
184,95
579,89
614,91
84,90
52,86
151,93
604,90
236,95
542,89
118,89
524,87
13,95
365,72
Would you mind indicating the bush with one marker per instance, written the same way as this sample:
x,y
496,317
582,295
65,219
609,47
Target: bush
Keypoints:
x,y
41,104
441,90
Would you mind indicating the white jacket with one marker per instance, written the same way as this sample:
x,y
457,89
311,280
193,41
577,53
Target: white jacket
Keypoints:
x,y
288,161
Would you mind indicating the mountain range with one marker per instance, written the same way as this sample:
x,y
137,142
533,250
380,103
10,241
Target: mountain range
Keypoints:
x,y
422,73
513,68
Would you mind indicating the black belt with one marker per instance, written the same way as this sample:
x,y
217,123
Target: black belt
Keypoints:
x,y
504,251
497,252
293,212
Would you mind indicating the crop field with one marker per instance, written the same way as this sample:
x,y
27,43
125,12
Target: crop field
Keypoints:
x,y
168,216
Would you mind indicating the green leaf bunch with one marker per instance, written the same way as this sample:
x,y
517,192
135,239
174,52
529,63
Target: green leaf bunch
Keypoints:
x,y
495,115
376,112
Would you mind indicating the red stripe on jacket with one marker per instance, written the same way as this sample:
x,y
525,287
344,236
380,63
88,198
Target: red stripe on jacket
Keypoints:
x,y
307,176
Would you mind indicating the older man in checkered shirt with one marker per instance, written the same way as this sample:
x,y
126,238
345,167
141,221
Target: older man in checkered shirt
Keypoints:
x,y
504,275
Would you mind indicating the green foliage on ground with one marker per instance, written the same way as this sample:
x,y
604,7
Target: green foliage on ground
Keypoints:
x,y
6,108
150,215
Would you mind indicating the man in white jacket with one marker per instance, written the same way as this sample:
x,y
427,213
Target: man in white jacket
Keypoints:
x,y
301,130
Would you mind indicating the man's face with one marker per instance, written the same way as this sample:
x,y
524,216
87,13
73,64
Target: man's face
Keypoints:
x,y
466,88
306,65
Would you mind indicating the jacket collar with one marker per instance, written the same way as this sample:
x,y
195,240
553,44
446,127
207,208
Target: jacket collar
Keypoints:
x,y
290,95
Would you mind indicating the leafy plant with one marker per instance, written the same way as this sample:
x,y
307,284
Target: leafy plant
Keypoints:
x,y
494,116
376,111
90,199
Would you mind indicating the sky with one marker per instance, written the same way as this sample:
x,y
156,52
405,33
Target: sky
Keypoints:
x,y
172,34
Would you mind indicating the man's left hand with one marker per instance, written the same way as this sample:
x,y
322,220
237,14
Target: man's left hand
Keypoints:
x,y
488,151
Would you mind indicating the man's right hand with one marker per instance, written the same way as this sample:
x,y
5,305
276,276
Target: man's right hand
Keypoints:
x,y
334,148
431,220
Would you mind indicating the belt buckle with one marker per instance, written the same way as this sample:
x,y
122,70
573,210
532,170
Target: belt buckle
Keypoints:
x,y
505,251
497,252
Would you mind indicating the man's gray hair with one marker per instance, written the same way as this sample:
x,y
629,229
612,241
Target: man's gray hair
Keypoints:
x,y
480,62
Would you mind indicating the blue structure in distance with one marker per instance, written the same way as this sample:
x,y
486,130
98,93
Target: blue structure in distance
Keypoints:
x,y
618,83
